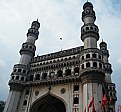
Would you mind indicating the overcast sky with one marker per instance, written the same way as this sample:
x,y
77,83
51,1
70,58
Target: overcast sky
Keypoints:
x,y
59,19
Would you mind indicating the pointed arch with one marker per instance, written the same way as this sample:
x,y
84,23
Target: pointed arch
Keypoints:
x,y
48,103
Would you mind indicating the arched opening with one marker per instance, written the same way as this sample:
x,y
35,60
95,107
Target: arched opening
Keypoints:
x,y
60,73
76,88
25,103
22,78
88,64
12,77
82,66
68,72
37,77
17,77
15,70
94,64
48,103
27,92
94,55
76,70
19,70
87,28
82,57
100,65
76,100
87,56
99,56
24,71
44,76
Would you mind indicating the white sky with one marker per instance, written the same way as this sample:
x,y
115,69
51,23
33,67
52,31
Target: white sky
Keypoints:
x,y
58,18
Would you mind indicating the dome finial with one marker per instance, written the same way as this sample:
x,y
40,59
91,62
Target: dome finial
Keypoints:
x,y
102,39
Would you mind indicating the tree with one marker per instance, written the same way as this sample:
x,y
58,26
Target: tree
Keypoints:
x,y
2,105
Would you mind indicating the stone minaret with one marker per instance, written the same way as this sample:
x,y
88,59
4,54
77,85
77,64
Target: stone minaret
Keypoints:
x,y
20,71
91,59
108,70
111,89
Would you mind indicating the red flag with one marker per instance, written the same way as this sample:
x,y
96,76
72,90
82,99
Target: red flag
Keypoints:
x,y
93,108
91,103
85,109
104,102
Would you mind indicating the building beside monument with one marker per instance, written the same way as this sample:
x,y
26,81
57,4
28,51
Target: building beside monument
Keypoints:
x,y
72,80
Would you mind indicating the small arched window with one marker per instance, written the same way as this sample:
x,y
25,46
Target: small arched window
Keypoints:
x,y
24,71
87,28
91,28
110,93
25,103
14,70
113,88
37,77
94,64
44,76
76,70
12,77
110,88
19,70
94,55
30,47
76,88
60,73
87,56
82,66
88,64
27,92
100,65
83,30
95,29
76,100
99,56
17,77
68,72
82,57
22,78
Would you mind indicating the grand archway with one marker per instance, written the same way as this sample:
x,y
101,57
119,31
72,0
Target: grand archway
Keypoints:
x,y
48,103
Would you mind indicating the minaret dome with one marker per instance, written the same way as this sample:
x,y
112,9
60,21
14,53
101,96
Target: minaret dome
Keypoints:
x,y
88,15
87,5
103,46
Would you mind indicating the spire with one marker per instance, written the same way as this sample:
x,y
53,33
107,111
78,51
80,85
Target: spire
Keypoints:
x,y
28,48
88,11
89,31
103,45
33,31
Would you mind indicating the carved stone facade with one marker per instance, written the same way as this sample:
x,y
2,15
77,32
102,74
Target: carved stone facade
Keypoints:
x,y
63,81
